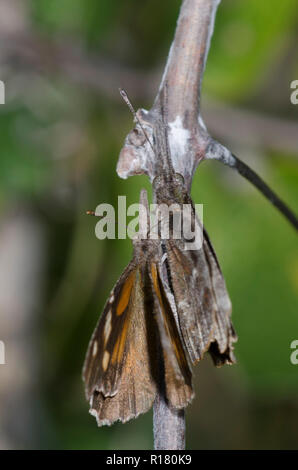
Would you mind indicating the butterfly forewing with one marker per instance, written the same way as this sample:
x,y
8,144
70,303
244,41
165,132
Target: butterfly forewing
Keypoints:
x,y
105,355
123,387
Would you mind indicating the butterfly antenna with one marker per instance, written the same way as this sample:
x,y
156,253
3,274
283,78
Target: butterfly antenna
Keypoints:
x,y
136,118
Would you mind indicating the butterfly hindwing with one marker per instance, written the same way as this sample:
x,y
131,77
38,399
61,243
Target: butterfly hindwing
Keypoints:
x,y
177,374
202,301
194,301
224,334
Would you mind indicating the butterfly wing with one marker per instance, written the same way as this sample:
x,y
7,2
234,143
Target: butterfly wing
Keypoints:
x,y
224,335
177,374
193,295
117,370
202,302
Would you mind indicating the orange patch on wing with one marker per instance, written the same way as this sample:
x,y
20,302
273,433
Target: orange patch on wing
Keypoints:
x,y
120,344
178,350
155,283
125,294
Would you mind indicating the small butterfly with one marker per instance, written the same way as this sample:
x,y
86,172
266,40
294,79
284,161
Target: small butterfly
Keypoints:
x,y
167,309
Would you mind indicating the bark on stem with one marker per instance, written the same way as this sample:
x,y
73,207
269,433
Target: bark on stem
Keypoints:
x,y
188,140
187,58
183,74
168,426
189,144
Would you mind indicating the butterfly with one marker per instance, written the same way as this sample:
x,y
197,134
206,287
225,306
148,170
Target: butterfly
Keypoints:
x,y
167,309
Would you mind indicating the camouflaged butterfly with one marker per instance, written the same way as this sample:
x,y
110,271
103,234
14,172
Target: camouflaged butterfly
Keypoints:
x,y
167,309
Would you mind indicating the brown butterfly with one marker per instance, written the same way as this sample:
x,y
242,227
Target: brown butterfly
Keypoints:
x,y
167,309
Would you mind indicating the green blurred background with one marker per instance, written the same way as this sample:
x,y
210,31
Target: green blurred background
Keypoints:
x,y
61,131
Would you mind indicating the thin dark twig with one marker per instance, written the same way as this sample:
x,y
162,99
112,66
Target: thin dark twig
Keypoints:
x,y
245,171
216,151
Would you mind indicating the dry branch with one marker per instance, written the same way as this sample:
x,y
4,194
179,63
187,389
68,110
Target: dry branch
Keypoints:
x,y
188,141
183,74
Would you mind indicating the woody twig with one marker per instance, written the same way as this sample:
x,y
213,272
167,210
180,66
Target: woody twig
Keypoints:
x,y
190,143
183,75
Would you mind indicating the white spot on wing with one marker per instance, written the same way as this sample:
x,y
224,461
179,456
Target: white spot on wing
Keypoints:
x,y
93,412
94,350
108,327
105,360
